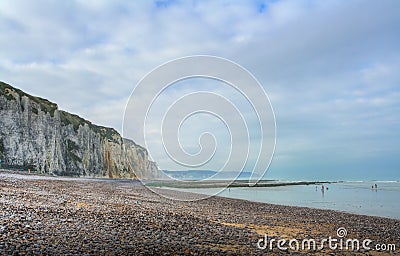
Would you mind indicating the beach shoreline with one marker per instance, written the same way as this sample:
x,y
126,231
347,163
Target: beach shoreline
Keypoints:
x,y
46,215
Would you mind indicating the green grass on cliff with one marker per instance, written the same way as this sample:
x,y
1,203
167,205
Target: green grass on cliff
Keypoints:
x,y
66,118
46,106
76,121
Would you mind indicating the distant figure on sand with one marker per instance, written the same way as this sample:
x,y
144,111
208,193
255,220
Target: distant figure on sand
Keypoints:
x,y
376,187
323,190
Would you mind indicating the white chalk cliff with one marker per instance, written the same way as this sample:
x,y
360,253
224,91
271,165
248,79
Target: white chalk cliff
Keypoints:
x,y
35,133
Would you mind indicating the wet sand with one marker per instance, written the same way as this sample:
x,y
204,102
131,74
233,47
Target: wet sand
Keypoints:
x,y
53,216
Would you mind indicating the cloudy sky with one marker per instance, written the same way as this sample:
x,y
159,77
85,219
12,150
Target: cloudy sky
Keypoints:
x,y
330,68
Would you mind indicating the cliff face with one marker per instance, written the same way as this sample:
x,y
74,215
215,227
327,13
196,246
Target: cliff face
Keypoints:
x,y
35,133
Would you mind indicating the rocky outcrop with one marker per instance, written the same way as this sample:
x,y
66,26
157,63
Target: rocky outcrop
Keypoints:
x,y
35,133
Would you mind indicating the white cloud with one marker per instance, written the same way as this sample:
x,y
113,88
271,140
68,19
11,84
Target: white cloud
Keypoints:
x,y
331,68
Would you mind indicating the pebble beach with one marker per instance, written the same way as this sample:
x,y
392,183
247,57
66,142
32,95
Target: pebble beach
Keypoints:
x,y
42,215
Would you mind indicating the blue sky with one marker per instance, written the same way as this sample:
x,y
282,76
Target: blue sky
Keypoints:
x,y
330,68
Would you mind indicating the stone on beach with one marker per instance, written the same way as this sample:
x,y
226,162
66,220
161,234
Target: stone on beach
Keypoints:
x,y
53,216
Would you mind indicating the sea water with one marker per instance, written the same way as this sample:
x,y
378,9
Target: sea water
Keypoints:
x,y
354,197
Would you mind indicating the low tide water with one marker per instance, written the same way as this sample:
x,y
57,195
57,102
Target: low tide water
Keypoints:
x,y
354,197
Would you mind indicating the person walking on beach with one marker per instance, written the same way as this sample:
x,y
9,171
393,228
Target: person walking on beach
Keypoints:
x,y
376,187
323,191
